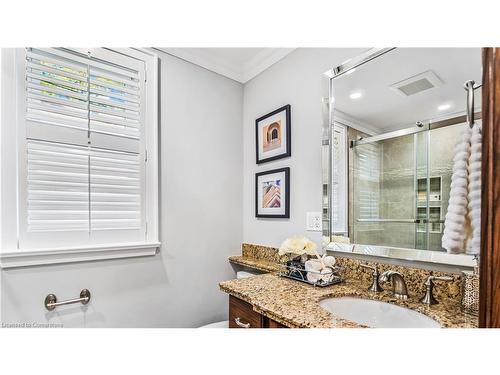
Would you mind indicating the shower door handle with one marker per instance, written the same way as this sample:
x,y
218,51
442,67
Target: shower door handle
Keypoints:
x,y
411,221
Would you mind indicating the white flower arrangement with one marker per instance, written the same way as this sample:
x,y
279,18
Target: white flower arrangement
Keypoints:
x,y
318,269
298,245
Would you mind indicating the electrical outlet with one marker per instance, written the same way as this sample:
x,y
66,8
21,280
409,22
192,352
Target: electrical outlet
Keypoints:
x,y
313,222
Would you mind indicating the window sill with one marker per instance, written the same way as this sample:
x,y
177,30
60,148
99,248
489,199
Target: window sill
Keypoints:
x,y
28,258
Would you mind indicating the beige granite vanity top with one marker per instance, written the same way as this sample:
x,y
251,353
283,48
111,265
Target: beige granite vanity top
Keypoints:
x,y
259,257
258,264
295,304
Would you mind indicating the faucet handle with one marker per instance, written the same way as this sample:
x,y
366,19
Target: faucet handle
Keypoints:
x,y
429,299
431,278
374,268
375,287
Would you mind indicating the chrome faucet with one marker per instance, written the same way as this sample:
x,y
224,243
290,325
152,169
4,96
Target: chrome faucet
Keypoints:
x,y
429,299
398,283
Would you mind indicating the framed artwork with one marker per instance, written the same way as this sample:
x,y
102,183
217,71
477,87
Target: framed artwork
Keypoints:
x,y
272,193
272,135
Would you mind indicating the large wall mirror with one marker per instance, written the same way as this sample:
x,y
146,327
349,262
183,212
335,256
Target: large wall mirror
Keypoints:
x,y
394,118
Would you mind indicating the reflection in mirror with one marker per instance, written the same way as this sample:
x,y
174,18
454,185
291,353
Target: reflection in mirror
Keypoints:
x,y
394,123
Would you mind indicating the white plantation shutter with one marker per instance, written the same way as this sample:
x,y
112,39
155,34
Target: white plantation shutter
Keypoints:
x,y
58,190
115,103
115,190
56,97
82,155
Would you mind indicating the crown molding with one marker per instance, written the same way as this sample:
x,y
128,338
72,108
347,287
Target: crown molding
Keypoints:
x,y
240,73
263,61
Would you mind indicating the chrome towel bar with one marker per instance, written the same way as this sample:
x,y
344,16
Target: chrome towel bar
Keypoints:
x,y
470,86
51,300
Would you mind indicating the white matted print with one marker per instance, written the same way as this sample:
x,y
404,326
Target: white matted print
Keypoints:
x,y
272,135
272,193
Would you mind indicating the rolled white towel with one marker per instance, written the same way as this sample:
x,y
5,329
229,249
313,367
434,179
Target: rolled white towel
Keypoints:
x,y
315,276
461,191
475,205
474,188
458,183
459,200
457,221
313,265
460,180
460,165
460,146
474,166
476,148
458,210
475,157
313,268
475,178
461,156
455,247
474,195
329,261
454,233
319,269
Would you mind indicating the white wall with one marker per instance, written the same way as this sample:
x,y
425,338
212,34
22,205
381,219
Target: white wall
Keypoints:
x,y
207,208
201,224
296,80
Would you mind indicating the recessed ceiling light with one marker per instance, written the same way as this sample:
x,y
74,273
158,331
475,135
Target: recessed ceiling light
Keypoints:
x,y
356,95
444,107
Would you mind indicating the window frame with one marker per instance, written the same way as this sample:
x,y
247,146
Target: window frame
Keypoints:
x,y
339,217
11,132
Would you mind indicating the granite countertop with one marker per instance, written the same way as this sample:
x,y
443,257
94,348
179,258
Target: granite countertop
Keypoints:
x,y
295,304
256,263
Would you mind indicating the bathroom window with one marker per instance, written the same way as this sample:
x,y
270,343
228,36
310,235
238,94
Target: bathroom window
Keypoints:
x,y
339,179
86,144
368,157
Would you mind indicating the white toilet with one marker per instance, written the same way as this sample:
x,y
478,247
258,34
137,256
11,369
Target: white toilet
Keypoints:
x,y
225,323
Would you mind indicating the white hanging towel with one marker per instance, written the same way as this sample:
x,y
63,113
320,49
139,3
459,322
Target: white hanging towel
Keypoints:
x,y
474,197
456,224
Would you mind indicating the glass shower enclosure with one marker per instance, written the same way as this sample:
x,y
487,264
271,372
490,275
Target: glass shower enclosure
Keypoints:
x,y
400,186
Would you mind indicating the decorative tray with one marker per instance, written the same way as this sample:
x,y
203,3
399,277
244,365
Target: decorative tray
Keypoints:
x,y
314,278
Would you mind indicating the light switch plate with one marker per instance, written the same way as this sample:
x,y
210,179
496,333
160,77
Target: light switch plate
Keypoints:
x,y
313,222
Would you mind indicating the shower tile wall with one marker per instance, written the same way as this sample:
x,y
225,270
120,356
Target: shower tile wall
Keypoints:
x,y
397,191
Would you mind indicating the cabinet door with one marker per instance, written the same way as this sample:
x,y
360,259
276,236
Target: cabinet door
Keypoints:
x,y
242,315
274,324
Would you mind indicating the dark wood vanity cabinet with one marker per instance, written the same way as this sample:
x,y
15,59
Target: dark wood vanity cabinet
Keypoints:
x,y
274,324
242,315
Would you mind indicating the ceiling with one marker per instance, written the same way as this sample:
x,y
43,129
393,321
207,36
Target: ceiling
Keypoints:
x,y
240,64
379,107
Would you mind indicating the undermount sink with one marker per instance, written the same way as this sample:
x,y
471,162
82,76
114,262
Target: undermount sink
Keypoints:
x,y
376,314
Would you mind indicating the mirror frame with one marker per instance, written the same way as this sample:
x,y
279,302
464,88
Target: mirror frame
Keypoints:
x,y
398,253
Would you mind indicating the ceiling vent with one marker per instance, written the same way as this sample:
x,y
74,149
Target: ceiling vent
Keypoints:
x,y
418,83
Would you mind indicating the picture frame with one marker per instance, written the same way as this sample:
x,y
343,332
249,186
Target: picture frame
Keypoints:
x,y
273,135
272,193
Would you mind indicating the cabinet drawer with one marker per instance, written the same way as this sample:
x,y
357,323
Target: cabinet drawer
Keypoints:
x,y
241,312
